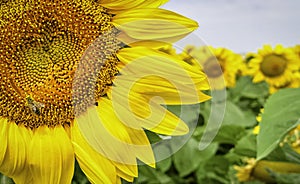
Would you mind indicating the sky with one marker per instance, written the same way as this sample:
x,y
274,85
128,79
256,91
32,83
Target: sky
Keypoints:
x,y
242,25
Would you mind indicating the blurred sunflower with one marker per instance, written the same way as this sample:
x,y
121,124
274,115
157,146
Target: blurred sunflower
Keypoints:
x,y
296,49
78,80
275,66
293,83
219,64
258,170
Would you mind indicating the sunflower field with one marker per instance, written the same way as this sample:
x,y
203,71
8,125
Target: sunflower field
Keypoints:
x,y
98,91
259,139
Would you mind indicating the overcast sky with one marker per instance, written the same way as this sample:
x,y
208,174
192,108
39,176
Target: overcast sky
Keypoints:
x,y
243,25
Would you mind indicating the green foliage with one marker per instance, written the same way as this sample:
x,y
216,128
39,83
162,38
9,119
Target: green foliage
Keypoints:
x,y
235,139
182,159
285,178
281,114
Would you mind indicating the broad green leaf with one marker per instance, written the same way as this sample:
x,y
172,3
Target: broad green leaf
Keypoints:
x,y
236,116
246,146
290,154
246,88
213,171
149,175
233,115
281,114
230,134
188,158
277,154
164,164
286,178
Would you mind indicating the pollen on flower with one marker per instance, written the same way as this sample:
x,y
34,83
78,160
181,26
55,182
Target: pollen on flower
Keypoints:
x,y
41,45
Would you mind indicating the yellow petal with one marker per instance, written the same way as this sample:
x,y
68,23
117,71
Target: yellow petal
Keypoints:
x,y
123,5
3,138
118,180
97,168
51,156
159,74
141,60
173,92
149,114
142,146
123,37
107,135
17,140
125,176
139,144
154,24
158,119
25,176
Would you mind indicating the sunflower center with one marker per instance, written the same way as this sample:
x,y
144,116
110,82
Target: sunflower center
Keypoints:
x,y
40,49
273,65
212,67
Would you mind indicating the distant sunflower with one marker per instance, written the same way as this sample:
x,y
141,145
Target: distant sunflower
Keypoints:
x,y
74,72
296,49
244,173
219,64
275,66
293,83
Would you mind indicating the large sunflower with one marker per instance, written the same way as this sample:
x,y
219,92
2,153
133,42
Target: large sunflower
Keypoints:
x,y
79,80
274,65
221,65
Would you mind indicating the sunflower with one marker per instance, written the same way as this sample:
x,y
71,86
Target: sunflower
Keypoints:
x,y
293,83
82,80
275,66
296,49
244,172
259,170
219,64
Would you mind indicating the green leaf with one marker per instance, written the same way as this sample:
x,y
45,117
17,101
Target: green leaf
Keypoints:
x,y
277,154
246,146
281,114
246,88
290,154
150,175
233,115
188,158
213,171
285,178
230,134
164,165
236,116
153,137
